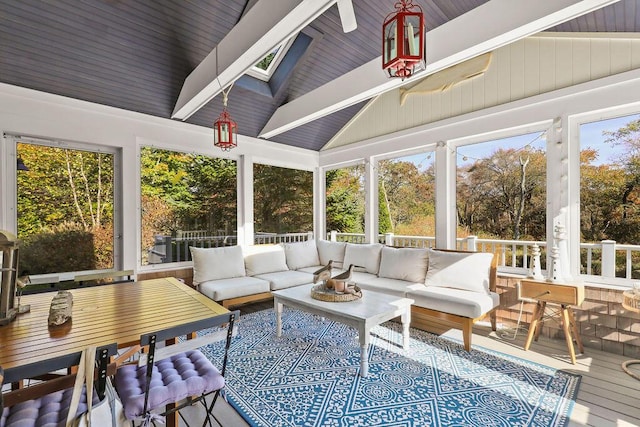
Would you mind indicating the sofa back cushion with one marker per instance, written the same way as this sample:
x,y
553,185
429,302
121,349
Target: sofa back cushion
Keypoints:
x,y
366,257
301,254
468,271
408,264
216,263
331,251
261,259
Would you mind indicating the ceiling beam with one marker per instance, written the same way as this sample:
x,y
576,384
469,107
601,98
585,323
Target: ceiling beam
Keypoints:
x,y
483,29
266,25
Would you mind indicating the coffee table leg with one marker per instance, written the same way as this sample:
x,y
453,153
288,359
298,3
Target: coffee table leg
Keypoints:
x,y
364,353
406,322
278,308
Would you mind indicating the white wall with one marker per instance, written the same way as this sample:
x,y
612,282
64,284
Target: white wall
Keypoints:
x,y
538,64
31,113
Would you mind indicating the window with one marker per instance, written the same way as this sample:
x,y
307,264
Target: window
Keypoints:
x,y
345,202
264,69
187,200
406,200
501,195
610,197
66,207
283,202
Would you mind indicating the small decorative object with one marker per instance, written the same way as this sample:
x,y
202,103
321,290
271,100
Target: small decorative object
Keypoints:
x,y
563,253
225,130
555,265
324,275
403,40
60,310
21,283
337,288
536,271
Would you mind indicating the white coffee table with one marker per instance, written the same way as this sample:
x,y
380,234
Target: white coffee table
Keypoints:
x,y
363,314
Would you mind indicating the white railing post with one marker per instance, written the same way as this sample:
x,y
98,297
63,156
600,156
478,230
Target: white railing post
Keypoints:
x,y
309,235
472,243
388,239
334,236
608,258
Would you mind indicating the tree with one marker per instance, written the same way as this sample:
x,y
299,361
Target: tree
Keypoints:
x,y
504,194
345,200
66,194
283,199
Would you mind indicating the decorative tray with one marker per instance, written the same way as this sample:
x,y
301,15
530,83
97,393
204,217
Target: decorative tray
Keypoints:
x,y
320,292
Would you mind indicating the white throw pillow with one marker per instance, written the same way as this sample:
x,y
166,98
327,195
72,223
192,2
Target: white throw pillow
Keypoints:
x,y
365,256
459,270
334,251
301,254
261,259
216,263
408,264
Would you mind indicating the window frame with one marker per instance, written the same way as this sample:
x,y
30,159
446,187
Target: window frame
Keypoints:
x,y
11,141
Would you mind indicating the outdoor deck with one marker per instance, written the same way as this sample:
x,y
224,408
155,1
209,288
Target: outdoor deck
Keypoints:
x,y
607,395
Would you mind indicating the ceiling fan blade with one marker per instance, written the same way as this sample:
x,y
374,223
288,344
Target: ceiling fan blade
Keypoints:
x,y
347,15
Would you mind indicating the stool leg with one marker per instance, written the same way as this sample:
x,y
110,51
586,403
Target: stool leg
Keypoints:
x,y
537,311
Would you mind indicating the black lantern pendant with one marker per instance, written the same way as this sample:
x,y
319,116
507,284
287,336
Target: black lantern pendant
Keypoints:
x,y
403,40
225,130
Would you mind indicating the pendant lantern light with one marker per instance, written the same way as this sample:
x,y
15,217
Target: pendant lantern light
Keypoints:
x,y
225,130
403,40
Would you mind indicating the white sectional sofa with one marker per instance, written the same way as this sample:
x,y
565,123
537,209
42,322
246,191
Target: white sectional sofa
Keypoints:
x,y
450,288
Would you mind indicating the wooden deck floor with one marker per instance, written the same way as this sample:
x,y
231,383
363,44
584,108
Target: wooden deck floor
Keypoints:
x,y
607,395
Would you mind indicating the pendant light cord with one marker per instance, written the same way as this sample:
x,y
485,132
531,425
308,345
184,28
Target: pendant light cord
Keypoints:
x,y
225,95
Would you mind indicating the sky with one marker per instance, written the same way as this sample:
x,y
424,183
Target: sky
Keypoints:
x,y
591,136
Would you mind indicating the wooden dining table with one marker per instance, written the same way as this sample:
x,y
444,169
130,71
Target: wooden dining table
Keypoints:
x,y
101,315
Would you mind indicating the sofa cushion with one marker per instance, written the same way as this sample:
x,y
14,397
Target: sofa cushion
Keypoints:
x,y
398,288
262,259
286,279
222,289
366,257
331,251
301,254
408,264
454,301
459,270
216,263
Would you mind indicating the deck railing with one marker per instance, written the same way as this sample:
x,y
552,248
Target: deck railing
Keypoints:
x,y
606,259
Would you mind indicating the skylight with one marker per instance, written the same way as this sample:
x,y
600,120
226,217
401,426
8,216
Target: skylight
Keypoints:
x,y
264,69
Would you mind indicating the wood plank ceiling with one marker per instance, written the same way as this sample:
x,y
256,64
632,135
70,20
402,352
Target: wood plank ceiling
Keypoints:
x,y
135,54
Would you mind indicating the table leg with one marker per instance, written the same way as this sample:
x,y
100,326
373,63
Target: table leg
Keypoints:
x,y
537,310
364,352
576,332
406,322
566,326
543,307
278,309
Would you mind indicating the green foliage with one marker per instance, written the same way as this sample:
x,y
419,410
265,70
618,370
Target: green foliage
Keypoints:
x,y
384,217
65,209
186,192
282,199
58,251
409,195
345,200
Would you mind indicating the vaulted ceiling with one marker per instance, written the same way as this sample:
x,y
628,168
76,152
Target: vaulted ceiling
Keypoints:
x,y
136,54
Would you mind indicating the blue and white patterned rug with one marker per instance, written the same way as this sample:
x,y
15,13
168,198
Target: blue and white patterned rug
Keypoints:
x,y
309,377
